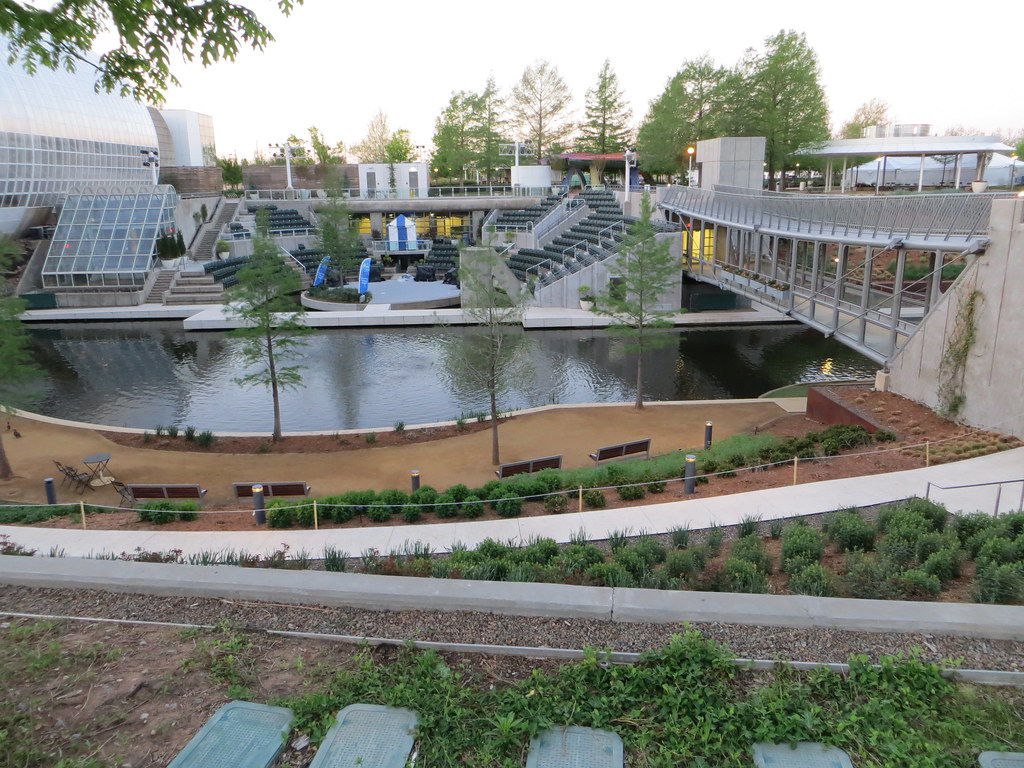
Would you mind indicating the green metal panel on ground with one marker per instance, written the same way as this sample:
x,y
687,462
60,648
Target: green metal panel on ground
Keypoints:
x,y
805,754
40,300
239,735
1001,759
368,736
575,747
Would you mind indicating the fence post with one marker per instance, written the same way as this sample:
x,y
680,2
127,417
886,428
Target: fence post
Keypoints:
x,y
316,523
581,498
81,508
796,461
999,494
927,453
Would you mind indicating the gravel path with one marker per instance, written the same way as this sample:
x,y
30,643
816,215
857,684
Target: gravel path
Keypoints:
x,y
815,645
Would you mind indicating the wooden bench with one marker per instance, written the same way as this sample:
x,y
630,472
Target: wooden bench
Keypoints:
x,y
532,465
295,488
166,491
623,450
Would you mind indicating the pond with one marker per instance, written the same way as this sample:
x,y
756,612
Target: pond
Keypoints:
x,y
148,374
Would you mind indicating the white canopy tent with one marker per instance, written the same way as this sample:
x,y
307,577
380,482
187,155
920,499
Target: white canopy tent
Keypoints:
x,y
939,171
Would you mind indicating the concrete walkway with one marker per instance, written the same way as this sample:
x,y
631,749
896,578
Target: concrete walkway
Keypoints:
x,y
1006,467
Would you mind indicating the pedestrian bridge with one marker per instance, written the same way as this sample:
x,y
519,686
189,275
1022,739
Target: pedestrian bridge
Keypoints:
x,y
867,270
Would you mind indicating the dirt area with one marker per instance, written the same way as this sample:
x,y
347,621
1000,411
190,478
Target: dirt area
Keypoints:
x,y
450,455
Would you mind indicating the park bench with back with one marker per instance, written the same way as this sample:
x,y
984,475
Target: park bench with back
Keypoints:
x,y
530,465
165,491
623,450
290,488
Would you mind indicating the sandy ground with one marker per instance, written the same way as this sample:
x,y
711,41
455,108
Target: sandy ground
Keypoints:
x,y
572,432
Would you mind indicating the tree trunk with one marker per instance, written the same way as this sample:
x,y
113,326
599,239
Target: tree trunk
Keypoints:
x,y
495,460
5,466
639,405
275,395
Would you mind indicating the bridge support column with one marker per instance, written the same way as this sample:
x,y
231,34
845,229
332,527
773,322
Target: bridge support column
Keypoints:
x,y
897,301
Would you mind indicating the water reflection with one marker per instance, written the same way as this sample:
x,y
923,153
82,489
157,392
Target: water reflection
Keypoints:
x,y
155,374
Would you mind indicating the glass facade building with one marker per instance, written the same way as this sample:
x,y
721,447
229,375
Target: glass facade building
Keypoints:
x,y
57,135
109,240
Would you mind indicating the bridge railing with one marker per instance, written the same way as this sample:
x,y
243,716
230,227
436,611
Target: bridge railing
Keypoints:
x,y
922,217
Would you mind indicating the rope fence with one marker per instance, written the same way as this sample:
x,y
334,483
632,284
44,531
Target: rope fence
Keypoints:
x,y
360,510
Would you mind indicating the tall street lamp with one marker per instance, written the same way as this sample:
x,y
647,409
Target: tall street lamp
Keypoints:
x,y
286,150
690,152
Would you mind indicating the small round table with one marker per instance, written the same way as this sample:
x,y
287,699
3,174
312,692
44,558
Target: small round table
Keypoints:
x,y
97,464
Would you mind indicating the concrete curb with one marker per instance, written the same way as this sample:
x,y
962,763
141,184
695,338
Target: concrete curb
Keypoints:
x,y
514,599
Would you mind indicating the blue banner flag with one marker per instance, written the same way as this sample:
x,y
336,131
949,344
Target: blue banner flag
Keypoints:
x,y
321,271
364,276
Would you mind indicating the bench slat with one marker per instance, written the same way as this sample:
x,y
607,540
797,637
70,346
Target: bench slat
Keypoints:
x,y
283,488
531,465
172,491
622,449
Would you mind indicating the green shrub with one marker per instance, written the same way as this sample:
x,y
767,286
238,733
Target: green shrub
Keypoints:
x,y
907,526
392,498
883,436
744,576
776,528
304,515
33,514
458,492
423,495
542,551
577,558
814,579
472,507
511,506
631,492
865,577
205,439
335,560
899,551
748,525
843,436
633,560
556,502
998,549
930,543
943,564
529,488
680,537
370,437
594,498
446,506
412,513
355,503
915,584
172,431
849,532
714,538
165,511
378,512
681,563
281,517
751,549
935,514
610,575
147,437
968,526
159,430
190,433
998,584
800,544
400,427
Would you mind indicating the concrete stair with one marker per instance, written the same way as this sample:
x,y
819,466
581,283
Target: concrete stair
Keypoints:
x,y
194,289
206,248
303,275
164,280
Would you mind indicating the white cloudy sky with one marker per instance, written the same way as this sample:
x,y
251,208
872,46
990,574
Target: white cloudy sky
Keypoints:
x,y
335,63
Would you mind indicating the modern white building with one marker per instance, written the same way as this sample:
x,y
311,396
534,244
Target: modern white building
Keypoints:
x,y
192,135
393,180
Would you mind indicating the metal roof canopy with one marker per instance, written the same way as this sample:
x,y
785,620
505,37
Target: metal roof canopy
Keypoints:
x,y
908,146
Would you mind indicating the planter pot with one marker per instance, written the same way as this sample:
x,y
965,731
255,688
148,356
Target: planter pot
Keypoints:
x,y
586,305
979,186
223,254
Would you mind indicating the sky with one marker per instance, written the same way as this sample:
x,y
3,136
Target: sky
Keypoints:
x,y
335,64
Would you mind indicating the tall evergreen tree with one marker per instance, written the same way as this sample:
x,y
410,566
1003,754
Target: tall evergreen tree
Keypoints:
x,y
272,322
540,104
691,108
607,125
782,98
453,135
647,273
489,128
16,366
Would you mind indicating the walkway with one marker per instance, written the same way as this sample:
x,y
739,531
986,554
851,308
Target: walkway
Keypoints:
x,y
807,499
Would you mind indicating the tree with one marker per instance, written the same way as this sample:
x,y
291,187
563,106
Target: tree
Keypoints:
x,y
272,324
489,356
454,142
324,153
873,112
148,33
692,107
782,98
230,171
646,273
540,103
607,126
399,148
16,366
335,238
374,146
489,128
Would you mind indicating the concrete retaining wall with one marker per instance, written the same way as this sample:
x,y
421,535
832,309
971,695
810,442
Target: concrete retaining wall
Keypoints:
x,y
547,600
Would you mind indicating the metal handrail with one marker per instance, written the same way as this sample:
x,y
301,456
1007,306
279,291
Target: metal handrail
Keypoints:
x,y
387,246
999,490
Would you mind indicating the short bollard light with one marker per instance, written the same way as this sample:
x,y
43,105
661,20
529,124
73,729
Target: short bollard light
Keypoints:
x,y
414,479
51,492
708,426
259,505
690,477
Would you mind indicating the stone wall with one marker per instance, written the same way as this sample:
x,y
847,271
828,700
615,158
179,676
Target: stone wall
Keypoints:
x,y
991,378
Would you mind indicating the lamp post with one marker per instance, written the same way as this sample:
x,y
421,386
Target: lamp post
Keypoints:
x,y
286,150
1013,170
151,159
690,152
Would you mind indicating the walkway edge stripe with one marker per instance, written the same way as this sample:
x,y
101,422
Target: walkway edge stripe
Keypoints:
x,y
514,599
